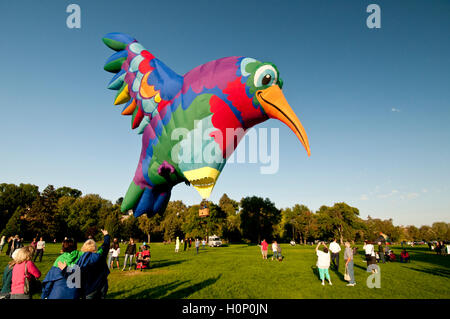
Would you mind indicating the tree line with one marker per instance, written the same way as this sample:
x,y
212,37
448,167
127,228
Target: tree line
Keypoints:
x,y
56,213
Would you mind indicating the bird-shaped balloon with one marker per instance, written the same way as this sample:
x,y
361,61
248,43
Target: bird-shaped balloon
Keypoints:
x,y
173,112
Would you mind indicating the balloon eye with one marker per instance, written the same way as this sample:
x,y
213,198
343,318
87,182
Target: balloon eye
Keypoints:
x,y
265,76
266,79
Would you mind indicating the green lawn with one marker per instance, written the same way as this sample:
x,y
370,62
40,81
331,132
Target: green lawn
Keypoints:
x,y
238,272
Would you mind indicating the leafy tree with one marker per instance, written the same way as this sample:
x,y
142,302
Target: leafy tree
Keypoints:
x,y
150,226
216,221
15,225
375,225
413,233
173,220
130,228
228,205
119,201
40,218
112,225
339,221
13,196
299,222
194,225
88,214
231,230
63,210
427,233
68,191
258,216
441,230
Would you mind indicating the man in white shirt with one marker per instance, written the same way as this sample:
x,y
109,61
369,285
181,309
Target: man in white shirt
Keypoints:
x,y
40,246
335,249
370,253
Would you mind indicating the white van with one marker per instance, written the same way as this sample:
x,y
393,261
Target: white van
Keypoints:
x,y
214,241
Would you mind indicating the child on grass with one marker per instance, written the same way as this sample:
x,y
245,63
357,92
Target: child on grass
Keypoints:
x,y
115,252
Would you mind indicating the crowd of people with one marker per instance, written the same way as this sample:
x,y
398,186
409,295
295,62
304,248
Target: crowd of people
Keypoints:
x,y
440,248
139,259
330,256
75,274
82,274
13,243
188,244
276,250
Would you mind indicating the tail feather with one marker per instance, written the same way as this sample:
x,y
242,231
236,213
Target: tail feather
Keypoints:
x,y
115,61
117,80
117,40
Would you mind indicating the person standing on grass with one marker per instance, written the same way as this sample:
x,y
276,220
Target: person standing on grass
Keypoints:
x,y
15,243
323,262
274,250
348,257
54,285
115,252
23,267
371,257
129,254
264,246
33,243
2,243
335,249
93,268
203,243
185,244
7,278
368,251
197,244
10,245
177,244
115,241
279,255
40,247
381,252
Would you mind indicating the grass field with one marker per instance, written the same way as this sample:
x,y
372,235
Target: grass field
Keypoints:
x,y
238,272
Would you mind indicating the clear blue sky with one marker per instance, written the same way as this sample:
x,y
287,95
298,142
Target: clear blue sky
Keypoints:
x,y
375,103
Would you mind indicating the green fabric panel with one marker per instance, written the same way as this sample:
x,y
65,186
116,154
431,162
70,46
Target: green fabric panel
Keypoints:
x,y
198,110
132,197
115,45
114,66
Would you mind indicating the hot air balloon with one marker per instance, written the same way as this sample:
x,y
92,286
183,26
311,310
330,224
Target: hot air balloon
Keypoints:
x,y
229,93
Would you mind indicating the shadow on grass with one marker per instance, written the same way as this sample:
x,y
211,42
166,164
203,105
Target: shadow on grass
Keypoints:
x,y
165,263
315,271
161,290
433,271
338,274
155,292
186,292
360,267
436,260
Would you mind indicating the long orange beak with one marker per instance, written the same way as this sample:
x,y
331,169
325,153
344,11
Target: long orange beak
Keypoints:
x,y
275,105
